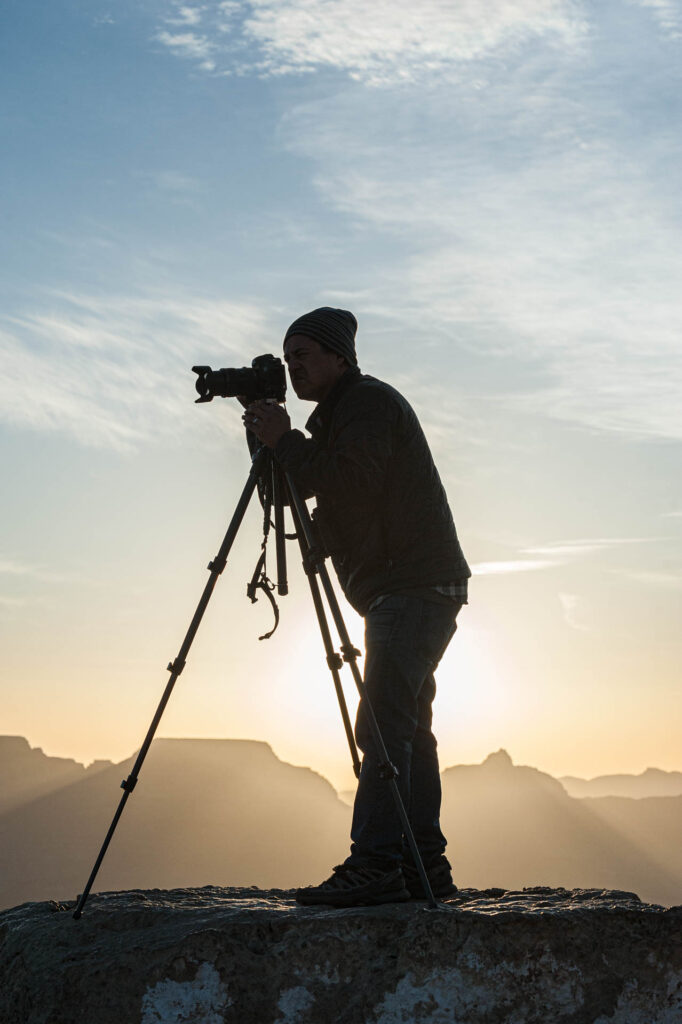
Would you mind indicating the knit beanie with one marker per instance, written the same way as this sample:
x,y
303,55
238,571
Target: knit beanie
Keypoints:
x,y
333,328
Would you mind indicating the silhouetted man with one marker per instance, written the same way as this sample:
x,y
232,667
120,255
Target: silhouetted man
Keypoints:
x,y
383,517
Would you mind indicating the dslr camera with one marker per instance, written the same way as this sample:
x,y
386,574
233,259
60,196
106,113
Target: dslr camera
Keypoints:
x,y
265,378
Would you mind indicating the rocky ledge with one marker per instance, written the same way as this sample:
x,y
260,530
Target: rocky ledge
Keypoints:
x,y
213,955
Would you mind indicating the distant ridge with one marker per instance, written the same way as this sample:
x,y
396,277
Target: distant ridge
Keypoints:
x,y
515,826
230,813
27,773
652,782
223,812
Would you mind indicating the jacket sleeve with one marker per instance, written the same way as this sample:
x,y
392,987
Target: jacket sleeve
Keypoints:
x,y
356,459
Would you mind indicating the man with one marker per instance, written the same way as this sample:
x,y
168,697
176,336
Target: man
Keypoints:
x,y
383,517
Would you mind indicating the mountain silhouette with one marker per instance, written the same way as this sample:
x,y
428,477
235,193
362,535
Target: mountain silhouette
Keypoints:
x,y
28,773
512,826
224,812
229,812
652,782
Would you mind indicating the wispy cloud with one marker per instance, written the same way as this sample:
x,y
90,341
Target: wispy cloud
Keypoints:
x,y
186,15
114,371
383,43
653,578
542,231
576,548
394,41
192,46
559,553
513,565
667,13
537,232
572,607
175,181
175,187
11,603
13,568
18,571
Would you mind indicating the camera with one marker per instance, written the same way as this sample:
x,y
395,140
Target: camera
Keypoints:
x,y
265,378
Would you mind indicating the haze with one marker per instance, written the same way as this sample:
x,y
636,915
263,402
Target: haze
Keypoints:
x,y
229,812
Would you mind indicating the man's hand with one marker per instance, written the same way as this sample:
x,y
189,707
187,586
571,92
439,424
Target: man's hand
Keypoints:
x,y
267,420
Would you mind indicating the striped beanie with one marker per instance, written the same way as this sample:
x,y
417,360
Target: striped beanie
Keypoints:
x,y
333,328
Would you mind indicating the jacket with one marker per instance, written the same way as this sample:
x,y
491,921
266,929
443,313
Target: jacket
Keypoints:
x,y
382,513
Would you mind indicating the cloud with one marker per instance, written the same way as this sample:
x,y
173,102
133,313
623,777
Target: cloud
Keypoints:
x,y
186,16
538,225
664,580
191,46
175,187
394,41
514,565
556,554
575,548
175,181
667,14
114,371
562,260
523,187
382,43
527,199
572,605
12,567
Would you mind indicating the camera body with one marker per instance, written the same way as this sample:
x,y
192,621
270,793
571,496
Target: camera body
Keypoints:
x,y
265,378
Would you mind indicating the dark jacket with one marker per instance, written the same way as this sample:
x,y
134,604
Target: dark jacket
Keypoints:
x,y
382,513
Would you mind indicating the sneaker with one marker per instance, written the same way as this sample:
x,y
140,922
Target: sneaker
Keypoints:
x,y
439,874
351,886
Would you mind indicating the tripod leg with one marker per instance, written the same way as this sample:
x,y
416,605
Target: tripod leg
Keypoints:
x,y
334,660
175,667
350,654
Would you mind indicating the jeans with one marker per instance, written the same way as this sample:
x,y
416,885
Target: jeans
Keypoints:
x,y
405,638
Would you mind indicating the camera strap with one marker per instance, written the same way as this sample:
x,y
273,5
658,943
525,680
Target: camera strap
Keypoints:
x,y
260,579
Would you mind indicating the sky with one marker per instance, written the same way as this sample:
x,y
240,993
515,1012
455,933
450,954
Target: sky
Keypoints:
x,y
494,190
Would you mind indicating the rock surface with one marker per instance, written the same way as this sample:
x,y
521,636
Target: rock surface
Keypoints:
x,y
212,955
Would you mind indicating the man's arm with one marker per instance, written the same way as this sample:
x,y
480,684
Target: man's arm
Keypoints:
x,y
265,423
359,453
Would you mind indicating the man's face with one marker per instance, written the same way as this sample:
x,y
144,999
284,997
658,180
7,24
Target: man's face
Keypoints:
x,y
313,369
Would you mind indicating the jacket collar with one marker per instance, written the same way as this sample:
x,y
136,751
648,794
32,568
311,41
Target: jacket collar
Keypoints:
x,y
320,418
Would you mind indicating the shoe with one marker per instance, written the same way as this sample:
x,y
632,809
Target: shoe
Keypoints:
x,y
351,886
439,874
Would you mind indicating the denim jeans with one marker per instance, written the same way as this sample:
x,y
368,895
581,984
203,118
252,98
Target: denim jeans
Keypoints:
x,y
405,638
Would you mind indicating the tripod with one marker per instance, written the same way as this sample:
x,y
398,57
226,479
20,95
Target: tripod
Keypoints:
x,y
277,486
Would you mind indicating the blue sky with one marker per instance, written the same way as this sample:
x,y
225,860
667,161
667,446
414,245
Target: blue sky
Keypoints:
x,y
494,190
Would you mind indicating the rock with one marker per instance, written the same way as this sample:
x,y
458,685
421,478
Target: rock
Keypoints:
x,y
212,955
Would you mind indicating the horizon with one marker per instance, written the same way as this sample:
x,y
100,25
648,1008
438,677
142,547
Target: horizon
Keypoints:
x,y
494,192
225,812
339,788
